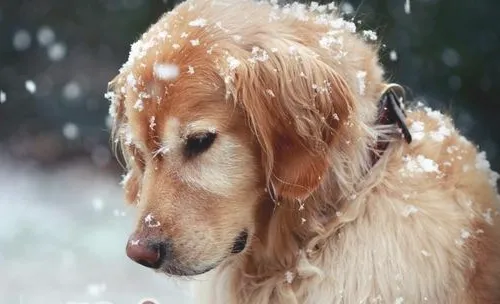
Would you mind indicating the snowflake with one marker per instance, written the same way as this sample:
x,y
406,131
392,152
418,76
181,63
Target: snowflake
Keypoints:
x,y
3,97
30,86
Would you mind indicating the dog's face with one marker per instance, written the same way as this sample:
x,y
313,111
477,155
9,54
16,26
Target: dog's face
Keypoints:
x,y
208,123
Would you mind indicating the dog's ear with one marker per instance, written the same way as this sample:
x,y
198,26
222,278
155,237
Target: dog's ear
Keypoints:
x,y
298,106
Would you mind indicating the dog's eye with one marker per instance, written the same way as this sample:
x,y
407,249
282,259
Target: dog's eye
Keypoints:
x,y
199,143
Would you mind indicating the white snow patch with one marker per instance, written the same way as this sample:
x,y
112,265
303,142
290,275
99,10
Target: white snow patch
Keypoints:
x,y
417,130
151,221
190,70
483,164
166,71
289,277
30,86
419,164
488,217
152,123
270,93
409,210
195,42
200,22
441,133
361,76
370,35
139,105
233,63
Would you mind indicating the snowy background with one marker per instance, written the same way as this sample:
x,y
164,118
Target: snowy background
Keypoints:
x,y
63,223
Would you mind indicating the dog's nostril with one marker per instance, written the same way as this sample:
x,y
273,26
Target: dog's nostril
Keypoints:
x,y
148,253
240,242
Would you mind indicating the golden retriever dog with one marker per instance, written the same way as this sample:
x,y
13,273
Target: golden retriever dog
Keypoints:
x,y
265,148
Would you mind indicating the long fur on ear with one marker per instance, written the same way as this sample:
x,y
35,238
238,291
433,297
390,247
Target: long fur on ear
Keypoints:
x,y
290,87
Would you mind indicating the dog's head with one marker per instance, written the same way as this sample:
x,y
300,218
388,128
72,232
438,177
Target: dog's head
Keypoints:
x,y
218,114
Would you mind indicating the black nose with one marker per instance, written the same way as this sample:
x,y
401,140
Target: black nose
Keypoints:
x,y
149,253
240,242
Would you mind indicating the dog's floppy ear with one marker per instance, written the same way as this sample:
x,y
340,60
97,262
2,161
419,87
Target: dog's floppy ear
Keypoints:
x,y
297,105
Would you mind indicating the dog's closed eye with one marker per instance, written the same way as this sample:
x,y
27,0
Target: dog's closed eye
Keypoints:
x,y
199,143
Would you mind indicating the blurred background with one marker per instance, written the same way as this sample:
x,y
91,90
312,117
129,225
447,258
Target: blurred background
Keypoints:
x,y
63,223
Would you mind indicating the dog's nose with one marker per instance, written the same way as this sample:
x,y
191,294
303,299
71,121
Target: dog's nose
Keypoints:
x,y
148,253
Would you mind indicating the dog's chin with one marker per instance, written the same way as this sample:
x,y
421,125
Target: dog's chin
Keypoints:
x,y
177,270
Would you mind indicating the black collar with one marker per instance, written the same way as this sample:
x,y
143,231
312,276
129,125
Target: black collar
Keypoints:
x,y
391,112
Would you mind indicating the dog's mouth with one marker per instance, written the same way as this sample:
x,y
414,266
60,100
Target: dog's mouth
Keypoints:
x,y
177,269
240,242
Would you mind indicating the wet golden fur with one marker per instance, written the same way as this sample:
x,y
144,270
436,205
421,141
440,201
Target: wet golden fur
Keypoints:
x,y
419,226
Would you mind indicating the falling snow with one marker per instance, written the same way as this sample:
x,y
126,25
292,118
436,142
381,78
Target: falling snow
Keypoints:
x,y
407,7
3,97
393,55
21,40
45,36
70,131
57,51
30,86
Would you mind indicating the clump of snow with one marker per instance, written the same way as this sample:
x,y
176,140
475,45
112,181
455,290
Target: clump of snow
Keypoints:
x,y
270,93
289,277
409,210
183,35
361,76
399,300
151,221
152,123
393,55
139,105
126,178
30,86
233,63
370,35
259,54
195,42
483,164
166,71
3,97
417,130
200,22
190,70
45,36
70,131
57,51
443,131
21,40
419,164
117,213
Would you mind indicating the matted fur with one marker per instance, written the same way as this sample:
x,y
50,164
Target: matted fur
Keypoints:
x,y
292,93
